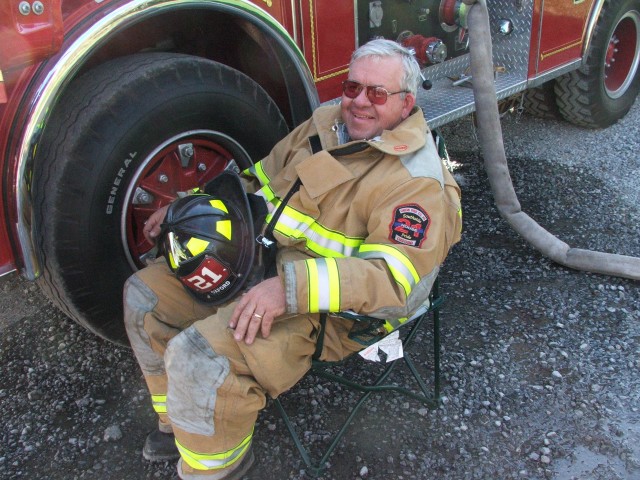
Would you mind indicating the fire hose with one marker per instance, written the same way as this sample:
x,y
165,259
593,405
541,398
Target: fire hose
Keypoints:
x,y
495,164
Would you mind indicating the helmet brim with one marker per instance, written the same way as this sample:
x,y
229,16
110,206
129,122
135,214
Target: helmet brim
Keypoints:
x,y
228,187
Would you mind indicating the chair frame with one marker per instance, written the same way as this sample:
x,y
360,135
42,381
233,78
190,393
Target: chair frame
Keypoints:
x,y
431,400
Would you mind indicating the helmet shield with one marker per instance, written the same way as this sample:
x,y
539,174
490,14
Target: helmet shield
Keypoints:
x,y
208,240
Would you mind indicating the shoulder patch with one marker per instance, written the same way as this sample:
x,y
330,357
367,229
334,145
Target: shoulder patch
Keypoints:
x,y
409,225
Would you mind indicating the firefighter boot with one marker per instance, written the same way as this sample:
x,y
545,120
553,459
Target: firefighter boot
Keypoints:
x,y
235,472
160,447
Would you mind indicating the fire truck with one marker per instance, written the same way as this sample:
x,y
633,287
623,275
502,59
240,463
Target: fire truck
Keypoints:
x,y
110,109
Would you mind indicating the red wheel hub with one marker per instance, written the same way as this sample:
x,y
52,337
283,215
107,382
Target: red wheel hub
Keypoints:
x,y
621,58
177,167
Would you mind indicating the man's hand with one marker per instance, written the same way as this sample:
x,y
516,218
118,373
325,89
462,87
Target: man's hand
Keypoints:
x,y
151,228
257,309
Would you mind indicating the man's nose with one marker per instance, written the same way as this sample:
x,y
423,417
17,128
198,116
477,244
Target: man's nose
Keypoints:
x,y
362,98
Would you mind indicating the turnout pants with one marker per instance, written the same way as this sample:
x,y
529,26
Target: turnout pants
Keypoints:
x,y
206,387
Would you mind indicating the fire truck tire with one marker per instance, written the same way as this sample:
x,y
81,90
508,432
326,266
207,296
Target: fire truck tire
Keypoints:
x,y
109,122
541,101
603,90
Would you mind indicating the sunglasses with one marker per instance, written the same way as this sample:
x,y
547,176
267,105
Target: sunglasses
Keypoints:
x,y
376,95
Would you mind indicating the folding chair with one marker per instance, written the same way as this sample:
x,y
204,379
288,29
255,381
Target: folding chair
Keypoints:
x,y
379,384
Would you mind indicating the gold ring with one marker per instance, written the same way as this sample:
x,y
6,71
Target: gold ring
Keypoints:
x,y
256,315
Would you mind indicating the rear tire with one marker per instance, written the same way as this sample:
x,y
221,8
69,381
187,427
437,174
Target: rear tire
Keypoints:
x,y
603,90
126,138
541,101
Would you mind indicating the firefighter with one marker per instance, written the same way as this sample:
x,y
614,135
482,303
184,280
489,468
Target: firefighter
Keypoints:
x,y
363,214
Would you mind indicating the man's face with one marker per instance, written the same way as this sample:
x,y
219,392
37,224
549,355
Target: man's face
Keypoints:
x,y
364,119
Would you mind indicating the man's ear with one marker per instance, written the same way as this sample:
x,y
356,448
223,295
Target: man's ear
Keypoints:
x,y
407,105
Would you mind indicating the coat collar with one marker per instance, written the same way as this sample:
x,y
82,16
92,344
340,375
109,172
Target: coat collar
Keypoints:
x,y
407,137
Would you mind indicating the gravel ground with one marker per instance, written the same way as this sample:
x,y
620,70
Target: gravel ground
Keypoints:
x,y
540,363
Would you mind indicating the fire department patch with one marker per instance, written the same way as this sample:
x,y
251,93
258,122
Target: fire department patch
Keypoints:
x,y
409,226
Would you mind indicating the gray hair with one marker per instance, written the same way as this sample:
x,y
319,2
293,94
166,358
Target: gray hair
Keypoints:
x,y
382,48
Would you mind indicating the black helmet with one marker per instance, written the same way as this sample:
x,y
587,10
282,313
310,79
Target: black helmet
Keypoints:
x,y
208,240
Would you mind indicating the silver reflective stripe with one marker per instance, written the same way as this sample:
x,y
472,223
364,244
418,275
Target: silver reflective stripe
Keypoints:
x,y
395,265
418,297
159,403
290,292
214,461
271,207
316,241
323,285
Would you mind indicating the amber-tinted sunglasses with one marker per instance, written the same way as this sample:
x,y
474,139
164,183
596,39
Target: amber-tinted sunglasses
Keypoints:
x,y
376,95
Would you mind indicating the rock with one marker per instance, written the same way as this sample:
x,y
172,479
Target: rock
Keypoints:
x,y
112,433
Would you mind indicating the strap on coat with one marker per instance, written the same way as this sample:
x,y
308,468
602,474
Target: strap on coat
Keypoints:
x,y
267,240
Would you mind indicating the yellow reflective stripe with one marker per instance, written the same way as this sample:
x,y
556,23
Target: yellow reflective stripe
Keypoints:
x,y
159,403
214,461
460,215
269,195
219,204
223,227
392,324
399,264
313,285
196,245
172,261
256,170
324,285
319,239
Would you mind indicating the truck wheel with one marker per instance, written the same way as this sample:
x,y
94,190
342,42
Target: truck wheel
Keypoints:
x,y
541,101
127,138
602,91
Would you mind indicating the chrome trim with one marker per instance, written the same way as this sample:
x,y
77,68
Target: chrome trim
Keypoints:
x,y
81,48
555,73
536,68
294,21
8,272
591,25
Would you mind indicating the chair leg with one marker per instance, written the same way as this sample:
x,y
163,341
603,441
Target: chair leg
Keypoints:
x,y
314,470
317,469
436,355
437,302
432,400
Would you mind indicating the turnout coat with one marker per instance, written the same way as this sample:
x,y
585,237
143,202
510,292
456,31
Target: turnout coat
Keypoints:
x,y
372,220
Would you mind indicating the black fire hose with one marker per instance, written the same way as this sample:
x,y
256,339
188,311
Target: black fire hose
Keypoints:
x,y
495,163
